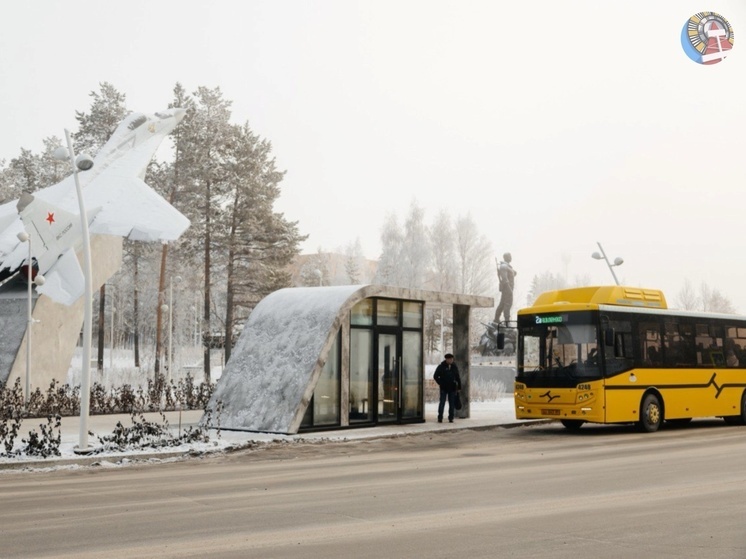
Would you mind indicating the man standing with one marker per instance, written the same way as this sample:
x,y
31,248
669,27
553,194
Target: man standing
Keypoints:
x,y
447,377
506,276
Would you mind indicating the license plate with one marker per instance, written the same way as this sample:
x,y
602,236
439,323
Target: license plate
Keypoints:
x,y
550,412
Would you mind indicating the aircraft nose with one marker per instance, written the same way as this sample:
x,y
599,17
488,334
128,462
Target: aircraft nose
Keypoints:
x,y
179,114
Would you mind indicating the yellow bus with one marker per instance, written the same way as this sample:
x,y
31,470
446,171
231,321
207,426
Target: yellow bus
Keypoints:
x,y
618,355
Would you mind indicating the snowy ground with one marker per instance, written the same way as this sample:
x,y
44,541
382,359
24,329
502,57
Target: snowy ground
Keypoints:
x,y
483,414
119,366
119,369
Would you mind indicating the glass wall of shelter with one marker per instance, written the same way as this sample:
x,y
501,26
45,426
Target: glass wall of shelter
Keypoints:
x,y
379,375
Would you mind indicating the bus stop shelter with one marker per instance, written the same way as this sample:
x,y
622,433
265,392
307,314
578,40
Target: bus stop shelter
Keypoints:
x,y
336,357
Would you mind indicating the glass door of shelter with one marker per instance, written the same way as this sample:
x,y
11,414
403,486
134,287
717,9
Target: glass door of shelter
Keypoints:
x,y
399,377
389,377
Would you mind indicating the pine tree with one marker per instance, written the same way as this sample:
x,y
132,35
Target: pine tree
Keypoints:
x,y
260,243
415,251
204,156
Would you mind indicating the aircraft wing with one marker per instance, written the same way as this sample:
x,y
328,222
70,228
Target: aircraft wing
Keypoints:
x,y
64,282
130,208
10,226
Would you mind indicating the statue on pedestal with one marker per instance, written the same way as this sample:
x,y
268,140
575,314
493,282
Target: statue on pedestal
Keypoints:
x,y
506,276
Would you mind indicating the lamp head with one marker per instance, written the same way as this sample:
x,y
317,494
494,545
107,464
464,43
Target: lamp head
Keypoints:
x,y
597,256
39,279
61,154
618,261
23,236
83,162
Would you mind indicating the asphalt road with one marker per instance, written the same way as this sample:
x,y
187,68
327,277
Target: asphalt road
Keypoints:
x,y
537,491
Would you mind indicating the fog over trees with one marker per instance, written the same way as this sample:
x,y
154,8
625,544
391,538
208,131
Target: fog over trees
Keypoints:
x,y
238,249
707,299
440,254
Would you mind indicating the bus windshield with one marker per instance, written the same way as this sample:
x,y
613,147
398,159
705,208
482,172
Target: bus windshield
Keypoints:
x,y
557,351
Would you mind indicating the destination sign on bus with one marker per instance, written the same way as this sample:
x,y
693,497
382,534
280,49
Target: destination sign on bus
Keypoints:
x,y
549,319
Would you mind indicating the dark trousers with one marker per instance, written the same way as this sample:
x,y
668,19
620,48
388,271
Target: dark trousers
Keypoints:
x,y
451,403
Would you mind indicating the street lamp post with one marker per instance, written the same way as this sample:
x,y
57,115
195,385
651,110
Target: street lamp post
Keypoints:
x,y
82,162
23,236
602,256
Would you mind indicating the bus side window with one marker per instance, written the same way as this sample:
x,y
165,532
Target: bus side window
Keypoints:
x,y
678,345
650,344
734,344
709,340
618,346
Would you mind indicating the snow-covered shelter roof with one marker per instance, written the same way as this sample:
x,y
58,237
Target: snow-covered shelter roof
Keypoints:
x,y
271,375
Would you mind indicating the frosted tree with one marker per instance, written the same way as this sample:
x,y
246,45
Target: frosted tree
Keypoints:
x,y
687,298
95,127
7,185
260,242
474,258
712,300
204,144
546,281
315,272
29,171
443,245
354,261
392,241
167,179
414,259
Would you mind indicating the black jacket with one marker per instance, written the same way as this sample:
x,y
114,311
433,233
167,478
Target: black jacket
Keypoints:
x,y
447,377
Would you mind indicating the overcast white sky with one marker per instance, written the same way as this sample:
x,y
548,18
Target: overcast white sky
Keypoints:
x,y
555,123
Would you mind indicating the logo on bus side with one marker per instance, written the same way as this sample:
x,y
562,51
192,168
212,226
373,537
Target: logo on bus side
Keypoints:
x,y
707,38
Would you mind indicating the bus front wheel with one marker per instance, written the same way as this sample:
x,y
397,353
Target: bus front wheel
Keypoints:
x,y
651,414
572,424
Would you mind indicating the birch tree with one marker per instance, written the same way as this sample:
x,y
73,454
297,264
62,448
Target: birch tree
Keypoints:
x,y
474,255
443,244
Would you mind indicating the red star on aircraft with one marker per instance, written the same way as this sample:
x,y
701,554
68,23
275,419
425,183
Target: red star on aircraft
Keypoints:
x,y
50,217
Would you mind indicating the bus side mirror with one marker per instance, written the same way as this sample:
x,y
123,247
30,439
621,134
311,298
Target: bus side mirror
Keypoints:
x,y
609,336
501,341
